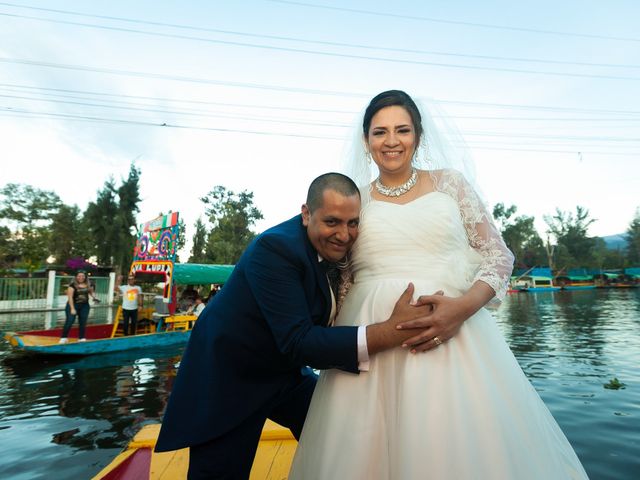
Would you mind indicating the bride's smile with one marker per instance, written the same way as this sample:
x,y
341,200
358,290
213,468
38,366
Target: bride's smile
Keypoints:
x,y
391,142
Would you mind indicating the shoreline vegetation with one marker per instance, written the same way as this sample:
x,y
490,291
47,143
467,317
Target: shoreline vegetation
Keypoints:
x,y
38,230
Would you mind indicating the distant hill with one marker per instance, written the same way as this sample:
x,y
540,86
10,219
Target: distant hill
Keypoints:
x,y
615,242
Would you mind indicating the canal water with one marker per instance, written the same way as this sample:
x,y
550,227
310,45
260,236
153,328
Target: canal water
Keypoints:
x,y
67,418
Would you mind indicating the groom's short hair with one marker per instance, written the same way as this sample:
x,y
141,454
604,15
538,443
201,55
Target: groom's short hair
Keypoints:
x,y
329,181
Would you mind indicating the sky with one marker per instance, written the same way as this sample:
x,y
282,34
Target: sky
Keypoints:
x,y
264,95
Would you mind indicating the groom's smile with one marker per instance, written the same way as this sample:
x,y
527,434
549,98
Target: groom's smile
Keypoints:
x,y
333,227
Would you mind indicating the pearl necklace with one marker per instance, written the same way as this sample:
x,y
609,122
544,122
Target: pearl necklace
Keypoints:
x,y
400,189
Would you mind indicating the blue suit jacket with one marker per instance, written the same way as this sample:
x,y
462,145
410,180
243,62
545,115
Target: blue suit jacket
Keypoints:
x,y
250,342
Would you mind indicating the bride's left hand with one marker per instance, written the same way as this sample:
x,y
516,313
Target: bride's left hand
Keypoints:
x,y
448,315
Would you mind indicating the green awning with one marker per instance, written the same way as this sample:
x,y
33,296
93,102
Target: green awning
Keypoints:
x,y
576,278
200,274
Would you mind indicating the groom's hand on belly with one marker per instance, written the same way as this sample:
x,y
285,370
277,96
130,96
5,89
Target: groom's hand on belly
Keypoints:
x,y
449,313
386,335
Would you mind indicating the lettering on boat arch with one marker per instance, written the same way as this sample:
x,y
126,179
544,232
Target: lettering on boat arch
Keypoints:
x,y
164,271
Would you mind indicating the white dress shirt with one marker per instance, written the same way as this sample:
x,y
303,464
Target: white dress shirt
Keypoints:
x,y
363,351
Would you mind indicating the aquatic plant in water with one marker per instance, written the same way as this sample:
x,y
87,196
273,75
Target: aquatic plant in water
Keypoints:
x,y
614,384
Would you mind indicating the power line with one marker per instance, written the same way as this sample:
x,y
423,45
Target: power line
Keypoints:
x,y
294,89
171,100
571,152
170,112
625,113
456,22
539,137
179,78
555,137
111,103
542,119
539,107
336,54
18,112
7,111
28,114
309,41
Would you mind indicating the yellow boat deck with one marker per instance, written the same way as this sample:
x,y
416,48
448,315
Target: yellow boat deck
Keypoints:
x,y
272,462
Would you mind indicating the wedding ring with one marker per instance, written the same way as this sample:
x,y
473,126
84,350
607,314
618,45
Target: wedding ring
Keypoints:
x,y
437,341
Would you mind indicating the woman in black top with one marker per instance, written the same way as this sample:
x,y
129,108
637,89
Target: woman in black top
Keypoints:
x,y
78,294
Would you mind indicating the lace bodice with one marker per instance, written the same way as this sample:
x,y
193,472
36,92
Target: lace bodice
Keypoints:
x,y
497,260
445,235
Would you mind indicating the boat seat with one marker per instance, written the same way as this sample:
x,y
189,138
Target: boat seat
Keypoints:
x,y
160,311
180,322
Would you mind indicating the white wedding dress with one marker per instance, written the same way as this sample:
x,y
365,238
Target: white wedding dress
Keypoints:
x,y
464,410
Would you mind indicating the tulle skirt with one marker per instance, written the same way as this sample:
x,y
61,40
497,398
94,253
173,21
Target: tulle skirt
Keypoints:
x,y
464,410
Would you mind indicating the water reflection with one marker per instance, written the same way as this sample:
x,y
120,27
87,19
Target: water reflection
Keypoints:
x,y
570,344
74,415
87,407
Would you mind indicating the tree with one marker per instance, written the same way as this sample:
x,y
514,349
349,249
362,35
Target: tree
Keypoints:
x,y
65,233
111,221
231,214
8,255
607,258
182,237
126,225
520,236
28,210
99,217
633,241
27,205
574,247
198,249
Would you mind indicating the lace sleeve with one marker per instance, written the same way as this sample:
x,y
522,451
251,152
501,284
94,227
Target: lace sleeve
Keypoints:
x,y
497,261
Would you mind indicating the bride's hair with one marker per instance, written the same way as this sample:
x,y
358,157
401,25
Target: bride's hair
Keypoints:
x,y
439,144
393,98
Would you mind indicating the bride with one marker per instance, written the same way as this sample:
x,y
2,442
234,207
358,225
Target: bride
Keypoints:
x,y
463,409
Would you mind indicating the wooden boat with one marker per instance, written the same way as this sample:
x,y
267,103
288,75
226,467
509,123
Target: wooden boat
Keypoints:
x,y
617,279
534,283
158,326
100,339
138,461
575,282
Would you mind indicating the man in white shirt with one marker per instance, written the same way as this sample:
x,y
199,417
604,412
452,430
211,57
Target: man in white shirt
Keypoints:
x,y
130,294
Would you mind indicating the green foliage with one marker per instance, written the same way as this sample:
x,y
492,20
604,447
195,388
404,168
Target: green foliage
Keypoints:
x,y
28,210
520,235
607,258
615,384
8,255
574,248
33,247
231,214
125,224
633,240
27,205
198,249
182,237
99,217
65,232
111,221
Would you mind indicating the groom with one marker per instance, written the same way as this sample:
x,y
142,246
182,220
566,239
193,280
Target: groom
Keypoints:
x,y
245,358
